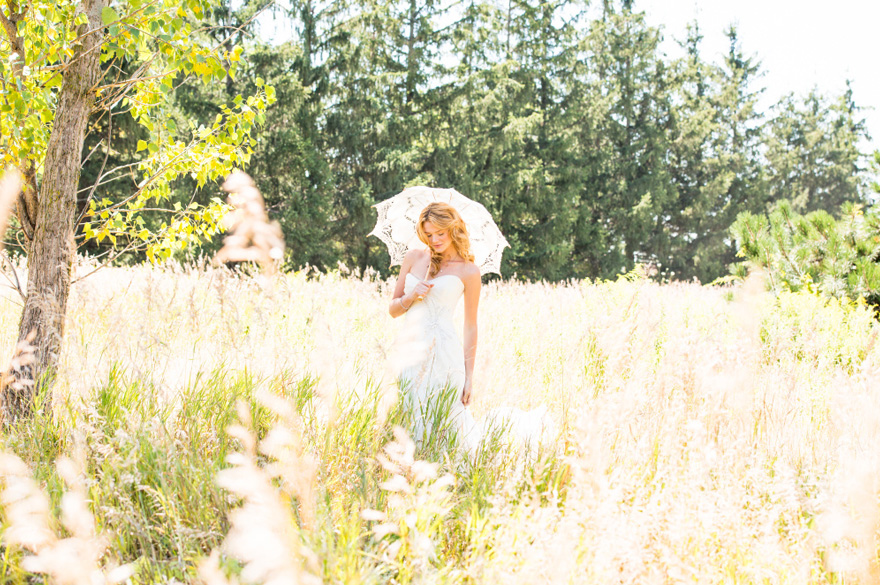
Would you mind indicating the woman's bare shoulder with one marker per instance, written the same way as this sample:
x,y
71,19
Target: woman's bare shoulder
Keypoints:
x,y
415,254
412,258
470,271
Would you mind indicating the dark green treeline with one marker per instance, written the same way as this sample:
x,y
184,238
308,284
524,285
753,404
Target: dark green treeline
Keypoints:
x,y
593,150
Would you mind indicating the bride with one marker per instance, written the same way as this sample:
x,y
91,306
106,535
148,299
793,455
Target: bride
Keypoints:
x,y
436,369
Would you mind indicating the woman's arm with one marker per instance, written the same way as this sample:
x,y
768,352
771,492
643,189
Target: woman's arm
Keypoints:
x,y
401,302
471,304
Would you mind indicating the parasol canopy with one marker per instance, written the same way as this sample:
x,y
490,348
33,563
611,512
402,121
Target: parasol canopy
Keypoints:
x,y
398,215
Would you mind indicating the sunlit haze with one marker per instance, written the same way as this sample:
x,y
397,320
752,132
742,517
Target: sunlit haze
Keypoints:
x,y
801,43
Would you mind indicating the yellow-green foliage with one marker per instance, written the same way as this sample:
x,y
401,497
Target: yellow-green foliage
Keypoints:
x,y
222,427
164,43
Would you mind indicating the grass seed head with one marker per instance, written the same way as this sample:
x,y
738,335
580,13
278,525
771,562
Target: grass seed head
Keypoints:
x,y
252,237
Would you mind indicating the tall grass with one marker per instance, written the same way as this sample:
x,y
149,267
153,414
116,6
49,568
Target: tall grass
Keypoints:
x,y
213,427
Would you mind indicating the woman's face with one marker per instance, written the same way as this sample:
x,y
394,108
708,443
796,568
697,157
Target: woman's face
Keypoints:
x,y
438,239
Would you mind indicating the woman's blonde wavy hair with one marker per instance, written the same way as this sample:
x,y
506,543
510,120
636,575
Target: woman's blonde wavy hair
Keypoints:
x,y
445,217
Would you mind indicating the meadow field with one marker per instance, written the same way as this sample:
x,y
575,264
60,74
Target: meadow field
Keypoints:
x,y
213,427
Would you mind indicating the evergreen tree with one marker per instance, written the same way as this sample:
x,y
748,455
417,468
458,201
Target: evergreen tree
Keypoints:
x,y
592,149
623,145
376,128
838,258
507,125
288,163
813,152
715,159
695,168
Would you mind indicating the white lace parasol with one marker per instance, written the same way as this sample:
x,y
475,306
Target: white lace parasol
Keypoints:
x,y
396,225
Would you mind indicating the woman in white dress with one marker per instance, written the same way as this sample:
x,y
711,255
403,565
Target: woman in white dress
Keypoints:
x,y
435,367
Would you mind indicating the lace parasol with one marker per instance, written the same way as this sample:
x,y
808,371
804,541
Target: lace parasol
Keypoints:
x,y
396,225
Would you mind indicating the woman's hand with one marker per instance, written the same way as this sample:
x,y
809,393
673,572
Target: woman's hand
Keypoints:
x,y
401,303
466,393
420,291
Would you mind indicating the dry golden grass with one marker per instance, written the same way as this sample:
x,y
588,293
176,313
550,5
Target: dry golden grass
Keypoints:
x,y
708,435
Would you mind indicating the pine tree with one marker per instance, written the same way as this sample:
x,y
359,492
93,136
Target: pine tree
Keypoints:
x,y
813,152
839,258
622,144
715,159
376,127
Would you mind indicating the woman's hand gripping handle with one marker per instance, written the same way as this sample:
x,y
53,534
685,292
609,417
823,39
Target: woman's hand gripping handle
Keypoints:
x,y
404,303
420,291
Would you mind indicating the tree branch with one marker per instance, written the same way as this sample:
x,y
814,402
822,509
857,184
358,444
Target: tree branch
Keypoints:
x,y
103,165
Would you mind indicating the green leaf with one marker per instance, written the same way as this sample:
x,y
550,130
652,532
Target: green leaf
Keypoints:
x,y
108,15
141,145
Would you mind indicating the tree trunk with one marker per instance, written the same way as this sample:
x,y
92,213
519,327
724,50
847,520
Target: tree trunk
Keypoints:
x,y
51,251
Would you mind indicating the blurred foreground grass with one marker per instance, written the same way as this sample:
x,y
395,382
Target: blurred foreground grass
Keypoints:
x,y
706,435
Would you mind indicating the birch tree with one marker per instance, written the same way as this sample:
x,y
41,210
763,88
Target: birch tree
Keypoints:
x,y
66,63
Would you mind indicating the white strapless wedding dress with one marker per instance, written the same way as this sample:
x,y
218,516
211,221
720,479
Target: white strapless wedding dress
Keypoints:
x,y
430,360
